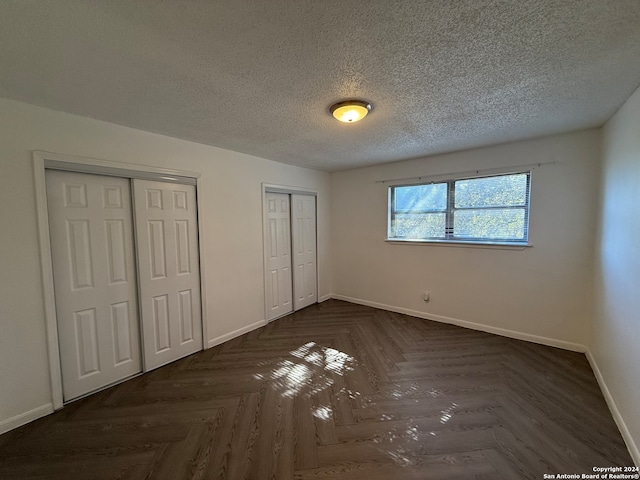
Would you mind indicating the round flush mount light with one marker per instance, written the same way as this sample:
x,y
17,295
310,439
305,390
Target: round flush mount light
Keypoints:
x,y
350,111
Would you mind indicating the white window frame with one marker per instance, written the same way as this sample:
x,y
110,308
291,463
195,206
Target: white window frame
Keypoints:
x,y
450,209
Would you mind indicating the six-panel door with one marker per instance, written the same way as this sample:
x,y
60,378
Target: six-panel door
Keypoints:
x,y
168,269
277,254
90,220
305,272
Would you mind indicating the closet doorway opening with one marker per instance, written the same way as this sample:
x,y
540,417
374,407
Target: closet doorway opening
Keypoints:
x,y
122,270
290,250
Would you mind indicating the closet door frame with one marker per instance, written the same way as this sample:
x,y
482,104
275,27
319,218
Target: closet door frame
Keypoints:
x,y
53,161
289,190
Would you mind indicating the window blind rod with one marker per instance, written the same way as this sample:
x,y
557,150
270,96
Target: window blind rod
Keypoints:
x,y
467,174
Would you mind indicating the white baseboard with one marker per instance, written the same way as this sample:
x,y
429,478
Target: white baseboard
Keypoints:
x,y
25,418
552,342
236,333
261,323
31,415
626,435
576,347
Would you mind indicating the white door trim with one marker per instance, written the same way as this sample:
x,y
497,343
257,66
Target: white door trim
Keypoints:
x,y
291,190
273,188
48,160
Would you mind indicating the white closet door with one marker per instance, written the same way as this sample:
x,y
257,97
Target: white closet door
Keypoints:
x,y
305,288
168,269
95,284
277,254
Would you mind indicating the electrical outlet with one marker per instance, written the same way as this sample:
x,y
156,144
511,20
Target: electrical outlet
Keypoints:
x,y
426,296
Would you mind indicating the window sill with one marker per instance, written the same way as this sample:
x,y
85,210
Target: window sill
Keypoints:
x,y
453,243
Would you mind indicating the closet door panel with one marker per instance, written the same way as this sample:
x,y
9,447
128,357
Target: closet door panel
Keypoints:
x,y
277,255
90,223
305,284
168,259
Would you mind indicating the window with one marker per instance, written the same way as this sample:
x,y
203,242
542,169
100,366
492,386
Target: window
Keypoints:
x,y
488,210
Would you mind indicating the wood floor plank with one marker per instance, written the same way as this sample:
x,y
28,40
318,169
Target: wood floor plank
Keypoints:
x,y
243,437
322,411
216,464
335,391
306,454
342,408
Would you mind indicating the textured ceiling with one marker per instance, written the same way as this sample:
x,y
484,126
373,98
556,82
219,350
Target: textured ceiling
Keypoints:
x,y
259,76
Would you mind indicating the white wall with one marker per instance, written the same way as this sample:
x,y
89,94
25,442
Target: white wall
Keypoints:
x,y
231,215
541,291
616,326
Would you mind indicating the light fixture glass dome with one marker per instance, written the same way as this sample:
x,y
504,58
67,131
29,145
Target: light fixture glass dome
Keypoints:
x,y
350,111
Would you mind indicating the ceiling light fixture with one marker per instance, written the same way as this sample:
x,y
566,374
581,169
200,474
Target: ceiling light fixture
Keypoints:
x,y
350,111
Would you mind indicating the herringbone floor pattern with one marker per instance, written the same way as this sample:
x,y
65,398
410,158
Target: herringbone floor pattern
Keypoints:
x,y
336,391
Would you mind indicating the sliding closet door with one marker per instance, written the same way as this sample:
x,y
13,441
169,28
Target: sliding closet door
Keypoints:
x,y
95,283
277,255
168,259
305,272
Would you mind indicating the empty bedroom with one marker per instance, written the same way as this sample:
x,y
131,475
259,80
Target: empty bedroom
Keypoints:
x,y
319,239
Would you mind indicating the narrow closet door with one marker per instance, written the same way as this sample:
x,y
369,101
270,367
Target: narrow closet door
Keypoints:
x,y
277,255
90,222
303,226
168,269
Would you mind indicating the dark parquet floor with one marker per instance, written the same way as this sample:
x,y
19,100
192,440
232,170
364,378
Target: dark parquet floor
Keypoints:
x,y
335,391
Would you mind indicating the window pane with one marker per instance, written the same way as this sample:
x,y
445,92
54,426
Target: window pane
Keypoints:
x,y
421,198
506,224
418,225
502,191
